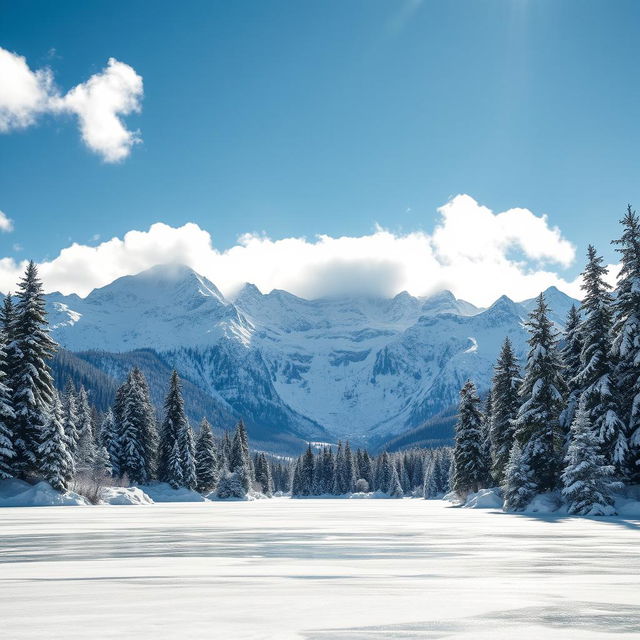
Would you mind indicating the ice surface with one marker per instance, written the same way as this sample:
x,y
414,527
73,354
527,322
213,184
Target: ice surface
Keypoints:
x,y
315,570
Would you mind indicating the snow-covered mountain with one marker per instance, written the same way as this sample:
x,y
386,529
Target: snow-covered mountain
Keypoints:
x,y
356,367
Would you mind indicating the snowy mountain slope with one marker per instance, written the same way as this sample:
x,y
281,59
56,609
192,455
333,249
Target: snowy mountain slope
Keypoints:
x,y
356,367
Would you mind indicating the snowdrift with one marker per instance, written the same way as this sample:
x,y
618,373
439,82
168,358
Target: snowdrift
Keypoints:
x,y
17,493
124,495
164,492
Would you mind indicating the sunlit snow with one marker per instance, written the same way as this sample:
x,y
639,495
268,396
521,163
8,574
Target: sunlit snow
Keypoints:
x,y
315,569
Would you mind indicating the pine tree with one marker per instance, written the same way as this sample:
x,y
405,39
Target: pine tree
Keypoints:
x,y
263,475
626,336
132,434
70,417
537,424
306,473
32,384
7,417
384,473
175,428
174,467
188,451
596,376
469,450
149,428
487,417
110,441
587,479
86,449
505,404
206,459
395,488
239,460
348,479
366,468
54,459
570,354
519,487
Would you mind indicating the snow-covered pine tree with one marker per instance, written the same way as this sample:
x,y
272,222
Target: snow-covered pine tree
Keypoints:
x,y
70,417
110,441
519,487
174,428
505,404
328,470
596,376
469,449
54,459
132,434
570,354
395,488
188,453
366,468
174,467
86,449
32,384
543,389
384,473
487,416
206,459
7,416
263,475
306,472
348,481
239,459
338,471
587,478
150,439
626,336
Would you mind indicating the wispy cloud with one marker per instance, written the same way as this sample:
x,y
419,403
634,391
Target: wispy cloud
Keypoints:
x,y
6,224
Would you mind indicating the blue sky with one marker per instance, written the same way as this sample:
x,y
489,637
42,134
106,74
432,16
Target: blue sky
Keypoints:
x,y
299,118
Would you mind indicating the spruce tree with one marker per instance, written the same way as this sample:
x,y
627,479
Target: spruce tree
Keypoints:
x,y
54,459
7,417
186,442
86,449
206,459
70,417
32,384
110,441
469,449
263,475
543,389
395,488
587,479
175,427
596,375
239,461
384,473
149,429
306,473
626,336
570,354
132,434
174,467
505,404
519,487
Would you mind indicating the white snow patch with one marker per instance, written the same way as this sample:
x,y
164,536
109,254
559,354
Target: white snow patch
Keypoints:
x,y
164,492
17,493
484,499
124,495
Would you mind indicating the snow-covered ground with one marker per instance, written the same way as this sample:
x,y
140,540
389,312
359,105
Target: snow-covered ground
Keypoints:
x,y
315,569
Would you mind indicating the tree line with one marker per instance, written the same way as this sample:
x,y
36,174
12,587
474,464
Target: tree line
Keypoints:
x,y
570,421
415,472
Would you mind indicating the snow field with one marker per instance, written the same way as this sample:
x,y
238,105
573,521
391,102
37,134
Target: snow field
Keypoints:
x,y
315,569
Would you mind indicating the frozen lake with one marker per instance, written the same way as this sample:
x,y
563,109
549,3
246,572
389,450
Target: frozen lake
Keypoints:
x,y
315,569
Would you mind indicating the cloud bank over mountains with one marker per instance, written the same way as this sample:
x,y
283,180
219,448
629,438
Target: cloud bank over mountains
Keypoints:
x,y
476,253
99,103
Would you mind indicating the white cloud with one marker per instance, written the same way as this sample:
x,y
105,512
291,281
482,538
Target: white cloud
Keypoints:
x,y
470,252
99,103
6,223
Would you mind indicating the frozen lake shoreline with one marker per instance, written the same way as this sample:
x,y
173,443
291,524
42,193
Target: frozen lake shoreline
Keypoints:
x,y
315,569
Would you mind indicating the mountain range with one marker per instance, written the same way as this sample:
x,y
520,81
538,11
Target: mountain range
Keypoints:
x,y
364,368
